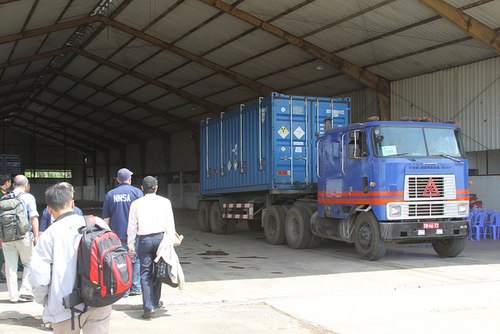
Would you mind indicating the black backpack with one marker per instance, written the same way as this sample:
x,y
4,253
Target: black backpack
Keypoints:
x,y
104,268
13,218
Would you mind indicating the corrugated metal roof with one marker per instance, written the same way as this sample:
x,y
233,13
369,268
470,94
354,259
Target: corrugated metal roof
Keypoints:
x,y
160,66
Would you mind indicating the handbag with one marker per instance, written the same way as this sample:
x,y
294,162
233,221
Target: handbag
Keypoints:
x,y
162,272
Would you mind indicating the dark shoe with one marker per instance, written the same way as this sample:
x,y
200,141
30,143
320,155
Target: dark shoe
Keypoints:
x,y
160,305
148,314
135,293
3,279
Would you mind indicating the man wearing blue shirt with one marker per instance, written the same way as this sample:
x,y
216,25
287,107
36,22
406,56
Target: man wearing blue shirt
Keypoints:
x,y
115,210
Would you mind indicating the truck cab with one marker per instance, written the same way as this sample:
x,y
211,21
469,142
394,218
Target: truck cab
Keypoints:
x,y
397,181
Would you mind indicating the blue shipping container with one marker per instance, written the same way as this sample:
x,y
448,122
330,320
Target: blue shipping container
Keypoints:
x,y
269,145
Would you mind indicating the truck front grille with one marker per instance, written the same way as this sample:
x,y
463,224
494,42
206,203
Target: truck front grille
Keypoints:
x,y
428,187
426,209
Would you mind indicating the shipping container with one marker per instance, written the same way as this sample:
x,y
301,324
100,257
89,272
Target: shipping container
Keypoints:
x,y
269,145
10,164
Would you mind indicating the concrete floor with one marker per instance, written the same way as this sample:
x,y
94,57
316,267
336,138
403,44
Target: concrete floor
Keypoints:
x,y
241,284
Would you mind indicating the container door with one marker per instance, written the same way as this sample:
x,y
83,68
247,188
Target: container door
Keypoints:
x,y
337,110
291,142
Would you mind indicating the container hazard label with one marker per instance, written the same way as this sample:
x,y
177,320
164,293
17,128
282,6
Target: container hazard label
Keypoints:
x,y
282,172
283,132
229,165
299,133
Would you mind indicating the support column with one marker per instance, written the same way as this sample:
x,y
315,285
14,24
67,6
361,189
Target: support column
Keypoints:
x,y
384,107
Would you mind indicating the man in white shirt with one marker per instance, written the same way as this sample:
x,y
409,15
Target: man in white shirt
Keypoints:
x,y
150,217
22,248
54,268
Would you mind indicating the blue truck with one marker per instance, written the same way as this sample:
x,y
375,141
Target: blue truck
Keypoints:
x,y
295,167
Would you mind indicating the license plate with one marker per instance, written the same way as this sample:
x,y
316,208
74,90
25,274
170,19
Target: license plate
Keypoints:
x,y
428,226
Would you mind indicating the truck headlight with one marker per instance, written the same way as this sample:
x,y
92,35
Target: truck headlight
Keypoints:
x,y
395,210
462,208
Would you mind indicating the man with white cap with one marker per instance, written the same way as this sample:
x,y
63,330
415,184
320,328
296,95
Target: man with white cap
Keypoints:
x,y
115,210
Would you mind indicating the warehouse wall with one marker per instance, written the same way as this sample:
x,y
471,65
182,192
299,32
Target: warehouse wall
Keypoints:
x,y
469,94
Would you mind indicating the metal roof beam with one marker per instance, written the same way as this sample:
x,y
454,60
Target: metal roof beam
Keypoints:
x,y
24,77
58,140
78,148
94,107
243,80
185,95
369,79
158,112
38,56
171,118
47,29
101,139
126,136
467,23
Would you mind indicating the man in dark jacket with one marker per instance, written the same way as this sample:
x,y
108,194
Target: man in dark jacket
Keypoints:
x,y
115,212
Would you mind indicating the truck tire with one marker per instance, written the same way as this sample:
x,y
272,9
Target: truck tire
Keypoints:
x,y
217,223
367,239
449,247
254,225
274,225
297,227
204,216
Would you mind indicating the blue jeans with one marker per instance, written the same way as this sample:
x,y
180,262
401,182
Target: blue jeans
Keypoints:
x,y
136,270
151,288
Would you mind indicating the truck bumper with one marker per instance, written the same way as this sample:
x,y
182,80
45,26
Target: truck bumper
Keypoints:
x,y
423,231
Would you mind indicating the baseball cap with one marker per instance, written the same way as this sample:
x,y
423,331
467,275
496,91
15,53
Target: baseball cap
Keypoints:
x,y
149,182
123,174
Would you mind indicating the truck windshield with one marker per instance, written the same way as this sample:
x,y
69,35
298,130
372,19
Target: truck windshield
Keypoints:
x,y
416,141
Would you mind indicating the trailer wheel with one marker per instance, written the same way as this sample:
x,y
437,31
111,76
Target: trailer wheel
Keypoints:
x,y
204,216
254,225
297,227
367,239
217,223
449,247
274,225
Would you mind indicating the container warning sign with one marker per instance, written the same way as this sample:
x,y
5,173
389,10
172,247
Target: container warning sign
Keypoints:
x,y
299,133
229,165
283,132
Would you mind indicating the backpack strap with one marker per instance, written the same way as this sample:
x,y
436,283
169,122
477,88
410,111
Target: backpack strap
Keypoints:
x,y
89,221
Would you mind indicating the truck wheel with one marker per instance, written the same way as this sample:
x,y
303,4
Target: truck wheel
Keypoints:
x,y
274,225
367,239
204,216
449,247
297,227
254,225
217,223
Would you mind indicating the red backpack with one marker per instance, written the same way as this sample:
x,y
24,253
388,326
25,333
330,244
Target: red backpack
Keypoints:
x,y
104,266
104,269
